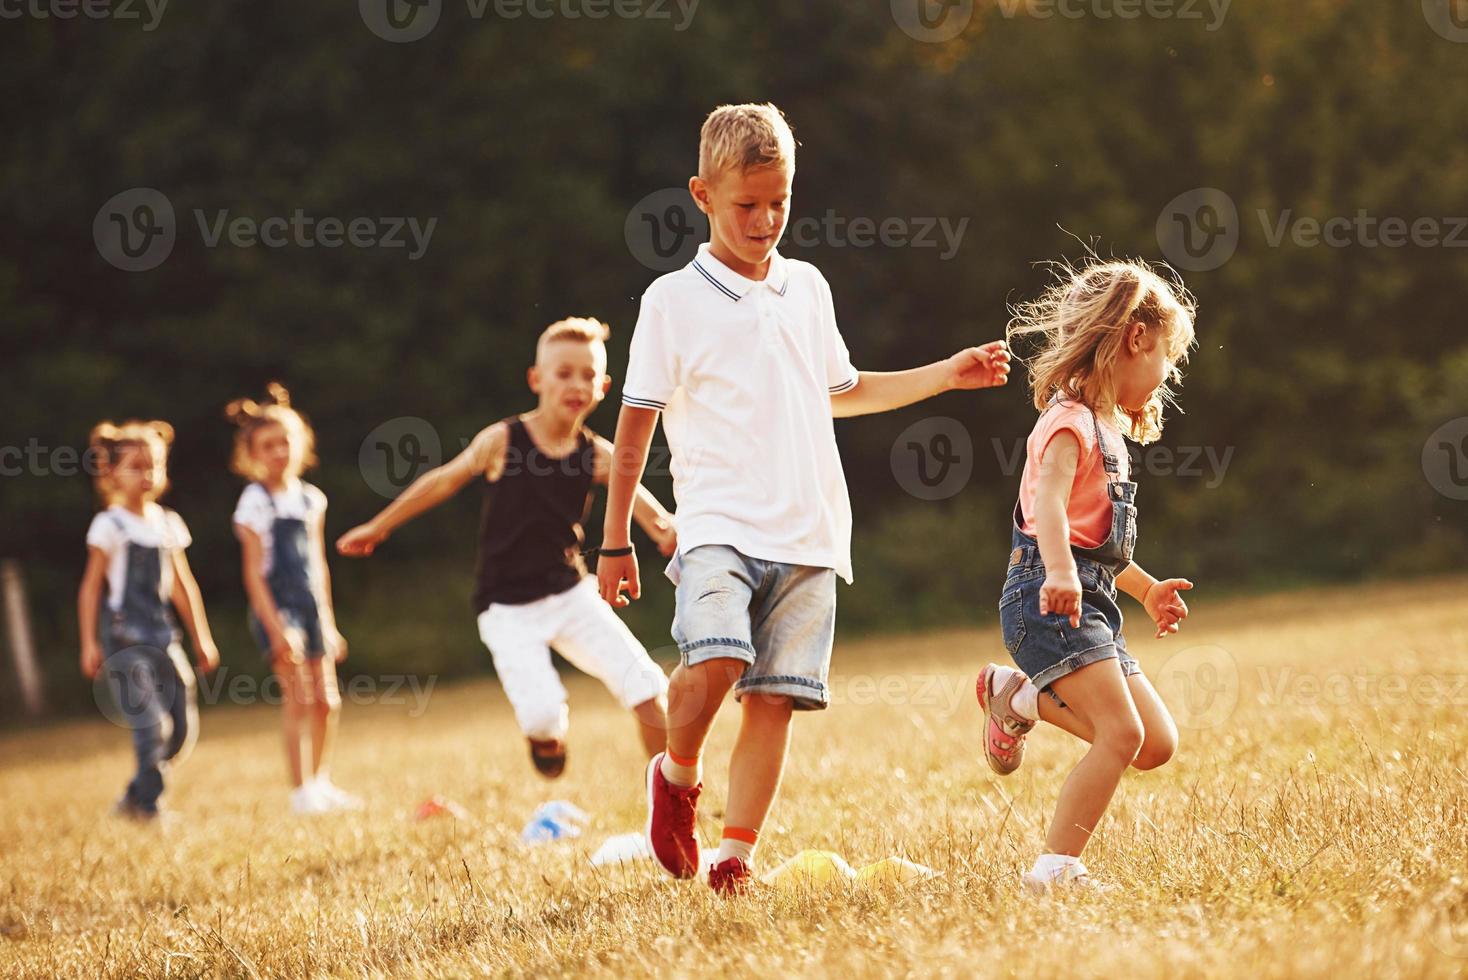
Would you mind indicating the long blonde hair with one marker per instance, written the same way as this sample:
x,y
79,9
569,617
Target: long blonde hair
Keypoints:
x,y
1078,324
250,416
108,442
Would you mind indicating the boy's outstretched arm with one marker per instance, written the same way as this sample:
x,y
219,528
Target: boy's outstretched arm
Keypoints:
x,y
629,457
428,491
647,510
882,391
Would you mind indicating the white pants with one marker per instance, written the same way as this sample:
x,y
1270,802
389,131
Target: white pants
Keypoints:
x,y
583,629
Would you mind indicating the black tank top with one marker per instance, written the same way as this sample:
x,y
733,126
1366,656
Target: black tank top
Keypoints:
x,y
530,533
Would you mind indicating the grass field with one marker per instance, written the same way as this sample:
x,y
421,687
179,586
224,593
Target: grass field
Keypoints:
x,y
1314,822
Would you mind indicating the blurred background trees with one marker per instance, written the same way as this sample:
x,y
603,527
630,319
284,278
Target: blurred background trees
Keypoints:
x,y
1321,371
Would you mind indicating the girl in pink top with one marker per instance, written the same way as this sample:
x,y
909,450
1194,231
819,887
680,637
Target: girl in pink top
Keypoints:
x,y
1111,338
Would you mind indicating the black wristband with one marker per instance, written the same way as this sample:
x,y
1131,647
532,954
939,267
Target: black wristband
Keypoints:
x,y
610,552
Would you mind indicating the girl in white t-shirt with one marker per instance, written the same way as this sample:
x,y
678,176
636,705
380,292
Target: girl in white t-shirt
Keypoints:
x,y
279,521
136,576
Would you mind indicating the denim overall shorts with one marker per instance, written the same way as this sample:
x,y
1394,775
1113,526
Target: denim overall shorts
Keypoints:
x,y
150,680
1047,647
291,584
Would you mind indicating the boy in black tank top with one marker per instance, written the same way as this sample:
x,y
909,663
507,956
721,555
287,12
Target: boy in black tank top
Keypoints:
x,y
532,592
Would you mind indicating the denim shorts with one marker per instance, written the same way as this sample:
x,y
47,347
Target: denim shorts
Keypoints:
x,y
1048,647
778,619
308,621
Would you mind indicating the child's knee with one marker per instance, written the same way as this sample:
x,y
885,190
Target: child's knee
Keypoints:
x,y
1123,739
326,704
1156,751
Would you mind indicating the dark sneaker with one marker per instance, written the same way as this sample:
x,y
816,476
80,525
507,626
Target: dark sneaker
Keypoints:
x,y
730,877
126,809
549,756
672,812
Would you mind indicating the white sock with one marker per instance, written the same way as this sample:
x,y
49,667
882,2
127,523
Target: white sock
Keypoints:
x,y
1056,867
680,775
1025,702
729,847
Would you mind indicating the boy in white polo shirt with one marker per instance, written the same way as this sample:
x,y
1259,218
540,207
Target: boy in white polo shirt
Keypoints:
x,y
740,353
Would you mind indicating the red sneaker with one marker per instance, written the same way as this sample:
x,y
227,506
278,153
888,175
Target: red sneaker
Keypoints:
x,y
671,813
730,877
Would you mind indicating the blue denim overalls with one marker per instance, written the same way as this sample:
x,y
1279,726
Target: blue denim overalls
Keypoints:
x,y
1048,647
151,681
292,582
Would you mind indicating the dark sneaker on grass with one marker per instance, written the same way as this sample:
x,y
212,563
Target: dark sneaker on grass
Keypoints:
x,y
549,756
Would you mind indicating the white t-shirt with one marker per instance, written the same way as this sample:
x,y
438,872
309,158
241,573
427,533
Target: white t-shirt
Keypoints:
x,y
299,500
743,373
114,528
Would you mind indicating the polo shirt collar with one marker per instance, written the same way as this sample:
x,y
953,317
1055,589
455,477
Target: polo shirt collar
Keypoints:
x,y
719,276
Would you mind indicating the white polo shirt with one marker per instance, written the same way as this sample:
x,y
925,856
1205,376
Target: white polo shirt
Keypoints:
x,y
743,373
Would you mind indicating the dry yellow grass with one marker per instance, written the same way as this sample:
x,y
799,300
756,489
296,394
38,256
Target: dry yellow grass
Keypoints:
x,y
1316,825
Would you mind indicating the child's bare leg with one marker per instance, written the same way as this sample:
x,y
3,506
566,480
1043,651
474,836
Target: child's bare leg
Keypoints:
x,y
293,702
325,710
1159,740
1099,693
652,724
695,695
758,760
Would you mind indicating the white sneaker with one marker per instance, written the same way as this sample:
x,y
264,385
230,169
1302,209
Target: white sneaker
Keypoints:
x,y
1072,877
339,798
307,801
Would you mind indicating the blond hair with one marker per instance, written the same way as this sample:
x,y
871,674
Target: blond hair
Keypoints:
x,y
1079,323
582,329
108,442
250,416
744,137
